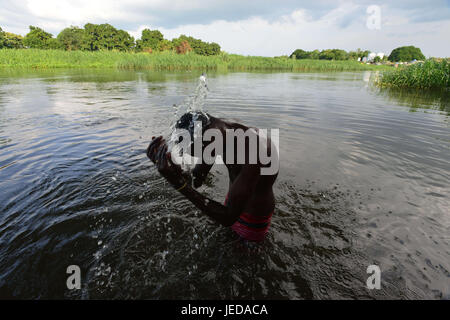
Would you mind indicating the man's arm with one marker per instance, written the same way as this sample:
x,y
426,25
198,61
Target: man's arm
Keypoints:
x,y
240,192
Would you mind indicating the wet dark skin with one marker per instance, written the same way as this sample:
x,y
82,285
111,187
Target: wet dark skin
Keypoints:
x,y
249,191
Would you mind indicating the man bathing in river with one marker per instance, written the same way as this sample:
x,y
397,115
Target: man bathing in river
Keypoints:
x,y
250,201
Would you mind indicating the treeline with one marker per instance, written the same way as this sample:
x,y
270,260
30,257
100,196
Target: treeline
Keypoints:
x,y
405,54
329,54
10,40
95,37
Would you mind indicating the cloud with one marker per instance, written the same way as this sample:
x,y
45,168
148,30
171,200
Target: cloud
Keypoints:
x,y
264,28
342,27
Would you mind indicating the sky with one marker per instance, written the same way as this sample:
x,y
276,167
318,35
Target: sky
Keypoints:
x,y
253,27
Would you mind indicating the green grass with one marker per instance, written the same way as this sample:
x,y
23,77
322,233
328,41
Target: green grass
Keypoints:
x,y
431,74
34,58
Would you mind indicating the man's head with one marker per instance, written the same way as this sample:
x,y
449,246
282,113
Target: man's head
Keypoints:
x,y
195,122
191,122
188,120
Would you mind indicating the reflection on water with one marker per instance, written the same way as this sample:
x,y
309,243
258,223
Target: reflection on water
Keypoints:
x,y
420,99
362,181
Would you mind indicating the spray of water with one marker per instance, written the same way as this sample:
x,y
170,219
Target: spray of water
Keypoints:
x,y
193,104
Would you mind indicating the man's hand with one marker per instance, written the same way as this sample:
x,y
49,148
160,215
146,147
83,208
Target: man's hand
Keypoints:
x,y
157,153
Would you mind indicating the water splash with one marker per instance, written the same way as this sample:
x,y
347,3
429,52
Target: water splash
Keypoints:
x,y
193,104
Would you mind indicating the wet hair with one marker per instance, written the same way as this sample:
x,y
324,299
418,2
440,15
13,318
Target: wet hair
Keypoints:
x,y
187,121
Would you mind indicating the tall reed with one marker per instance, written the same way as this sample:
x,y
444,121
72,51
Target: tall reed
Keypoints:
x,y
36,58
431,74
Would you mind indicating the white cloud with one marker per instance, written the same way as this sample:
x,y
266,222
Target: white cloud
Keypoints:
x,y
314,25
258,36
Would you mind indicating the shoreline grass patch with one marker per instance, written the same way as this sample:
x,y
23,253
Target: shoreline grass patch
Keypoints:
x,y
42,59
430,74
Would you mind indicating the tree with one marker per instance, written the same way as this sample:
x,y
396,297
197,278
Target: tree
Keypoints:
x,y
106,37
165,45
326,55
10,40
314,54
183,47
354,55
340,54
300,54
198,46
37,38
407,53
2,38
149,39
213,49
364,53
71,38
123,41
13,41
329,54
333,54
53,43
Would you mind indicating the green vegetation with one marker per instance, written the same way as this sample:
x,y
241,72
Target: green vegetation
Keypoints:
x,y
39,39
419,100
329,54
406,54
106,37
2,38
97,37
198,46
10,40
237,62
430,74
149,39
167,60
71,38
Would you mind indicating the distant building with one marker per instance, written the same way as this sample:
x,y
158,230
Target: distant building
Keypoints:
x,y
372,56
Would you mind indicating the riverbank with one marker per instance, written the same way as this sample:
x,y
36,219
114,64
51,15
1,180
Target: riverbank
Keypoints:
x,y
42,59
430,74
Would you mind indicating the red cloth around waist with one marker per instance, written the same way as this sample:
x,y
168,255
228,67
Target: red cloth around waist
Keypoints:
x,y
251,227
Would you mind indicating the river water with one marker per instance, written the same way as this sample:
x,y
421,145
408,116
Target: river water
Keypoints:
x,y
364,180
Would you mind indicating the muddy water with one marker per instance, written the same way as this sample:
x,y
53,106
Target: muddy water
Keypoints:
x,y
363,180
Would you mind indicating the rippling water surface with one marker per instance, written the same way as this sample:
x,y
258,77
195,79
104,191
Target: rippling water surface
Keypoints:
x,y
363,180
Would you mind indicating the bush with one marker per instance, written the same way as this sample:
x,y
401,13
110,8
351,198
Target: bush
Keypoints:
x,y
407,53
328,54
71,38
198,46
428,75
53,43
183,47
147,50
300,54
37,38
100,37
165,45
13,41
106,37
149,39
2,38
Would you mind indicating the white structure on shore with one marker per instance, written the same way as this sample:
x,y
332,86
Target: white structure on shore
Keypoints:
x,y
372,56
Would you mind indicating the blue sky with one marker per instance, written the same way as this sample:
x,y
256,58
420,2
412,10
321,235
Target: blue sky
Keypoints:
x,y
264,27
